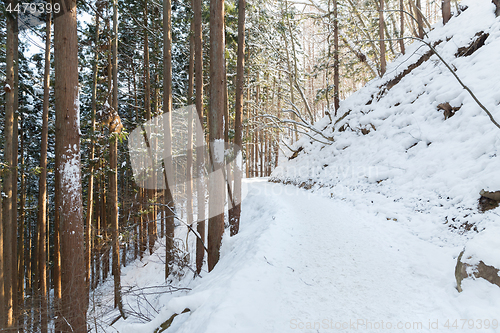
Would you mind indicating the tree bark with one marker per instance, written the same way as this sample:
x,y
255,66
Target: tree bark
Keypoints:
x,y
151,239
167,109
200,141
235,212
420,19
68,166
217,91
446,10
336,64
42,191
189,161
115,128
90,188
381,23
402,26
2,276
15,141
8,176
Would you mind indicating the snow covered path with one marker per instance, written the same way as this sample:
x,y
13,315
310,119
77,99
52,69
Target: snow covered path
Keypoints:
x,y
307,263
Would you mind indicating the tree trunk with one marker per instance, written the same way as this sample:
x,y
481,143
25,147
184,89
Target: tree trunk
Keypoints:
x,y
147,105
200,160
98,238
446,9
21,230
382,38
235,212
90,190
8,176
15,140
189,161
402,26
42,187
2,276
216,124
336,64
68,166
420,19
167,109
115,128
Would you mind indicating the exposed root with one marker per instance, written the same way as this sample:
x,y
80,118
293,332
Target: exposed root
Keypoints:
x,y
477,43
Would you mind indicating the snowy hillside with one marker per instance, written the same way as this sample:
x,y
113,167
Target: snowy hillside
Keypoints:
x,y
362,234
393,150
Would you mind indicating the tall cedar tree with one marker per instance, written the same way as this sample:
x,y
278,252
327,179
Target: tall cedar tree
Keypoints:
x,y
167,116
420,19
42,192
2,276
235,212
115,128
402,26
147,105
446,8
90,188
189,161
381,24
200,157
8,177
68,167
216,124
336,64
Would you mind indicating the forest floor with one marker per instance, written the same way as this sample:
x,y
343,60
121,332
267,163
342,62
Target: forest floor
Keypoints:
x,y
304,262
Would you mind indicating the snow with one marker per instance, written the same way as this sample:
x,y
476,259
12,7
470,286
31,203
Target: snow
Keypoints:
x,y
218,151
414,165
373,243
302,259
70,172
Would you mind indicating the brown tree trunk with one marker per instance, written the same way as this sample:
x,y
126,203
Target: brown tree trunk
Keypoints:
x,y
189,162
336,64
90,191
402,26
115,128
420,19
56,278
200,163
167,109
8,177
255,133
21,231
98,239
15,141
235,212
68,166
381,23
42,187
278,107
217,91
446,9
147,105
2,276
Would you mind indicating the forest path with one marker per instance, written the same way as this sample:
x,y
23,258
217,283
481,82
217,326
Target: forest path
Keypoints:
x,y
331,267
303,262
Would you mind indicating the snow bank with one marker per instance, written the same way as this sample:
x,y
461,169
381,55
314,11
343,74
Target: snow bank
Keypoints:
x,y
413,160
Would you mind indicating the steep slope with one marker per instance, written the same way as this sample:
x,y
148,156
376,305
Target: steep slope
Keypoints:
x,y
397,153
